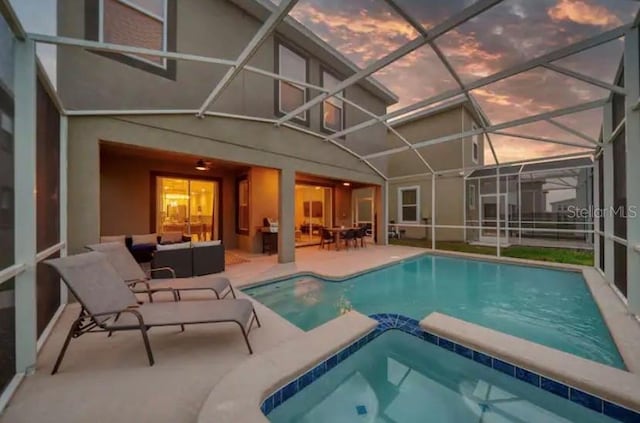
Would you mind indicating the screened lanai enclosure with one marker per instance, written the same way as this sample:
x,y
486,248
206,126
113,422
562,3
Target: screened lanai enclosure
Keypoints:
x,y
545,204
554,86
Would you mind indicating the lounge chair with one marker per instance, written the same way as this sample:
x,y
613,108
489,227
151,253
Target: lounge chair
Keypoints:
x,y
108,305
126,265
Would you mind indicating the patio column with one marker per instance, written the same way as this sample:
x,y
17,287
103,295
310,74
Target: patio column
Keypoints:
x,y
607,161
382,213
632,131
25,203
286,216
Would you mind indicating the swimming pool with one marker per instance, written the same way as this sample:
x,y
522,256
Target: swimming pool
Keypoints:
x,y
400,378
550,307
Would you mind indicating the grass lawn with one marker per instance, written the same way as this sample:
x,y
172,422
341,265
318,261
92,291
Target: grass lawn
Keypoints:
x,y
557,255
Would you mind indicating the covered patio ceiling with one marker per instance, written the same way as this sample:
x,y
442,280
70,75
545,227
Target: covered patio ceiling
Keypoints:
x,y
574,55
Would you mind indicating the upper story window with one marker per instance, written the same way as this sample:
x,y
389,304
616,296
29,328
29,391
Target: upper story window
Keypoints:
x,y
475,145
409,204
333,107
138,23
147,24
290,95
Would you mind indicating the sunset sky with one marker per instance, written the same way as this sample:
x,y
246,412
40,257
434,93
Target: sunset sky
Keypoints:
x,y
509,33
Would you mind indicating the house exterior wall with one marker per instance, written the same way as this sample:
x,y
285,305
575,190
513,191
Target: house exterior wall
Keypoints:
x,y
449,205
214,28
441,156
469,123
263,202
125,195
450,194
254,144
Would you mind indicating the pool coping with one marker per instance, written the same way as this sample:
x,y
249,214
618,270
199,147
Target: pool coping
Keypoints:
x,y
622,325
454,254
238,396
608,383
624,330
264,382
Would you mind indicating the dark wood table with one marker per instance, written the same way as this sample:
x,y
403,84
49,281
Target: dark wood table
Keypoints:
x,y
337,233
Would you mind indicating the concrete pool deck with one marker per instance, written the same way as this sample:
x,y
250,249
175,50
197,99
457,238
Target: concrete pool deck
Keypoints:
x,y
108,380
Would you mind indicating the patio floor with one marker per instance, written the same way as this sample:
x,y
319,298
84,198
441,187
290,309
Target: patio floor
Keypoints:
x,y
108,380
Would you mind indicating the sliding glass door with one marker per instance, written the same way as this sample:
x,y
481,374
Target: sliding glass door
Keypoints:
x,y
189,206
314,209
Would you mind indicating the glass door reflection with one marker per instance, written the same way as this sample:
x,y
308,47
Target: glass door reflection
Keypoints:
x,y
188,206
314,209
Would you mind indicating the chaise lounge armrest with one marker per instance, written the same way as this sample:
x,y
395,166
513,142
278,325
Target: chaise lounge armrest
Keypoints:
x,y
163,269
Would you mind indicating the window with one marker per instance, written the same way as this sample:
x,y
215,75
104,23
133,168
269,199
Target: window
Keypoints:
x,y
138,23
242,218
475,147
409,204
6,123
333,107
471,197
291,96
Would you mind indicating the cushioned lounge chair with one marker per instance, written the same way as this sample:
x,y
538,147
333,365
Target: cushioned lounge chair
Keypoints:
x,y
126,265
108,305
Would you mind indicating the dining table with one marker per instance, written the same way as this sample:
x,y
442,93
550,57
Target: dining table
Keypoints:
x,y
337,233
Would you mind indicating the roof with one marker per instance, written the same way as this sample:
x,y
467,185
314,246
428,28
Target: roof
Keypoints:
x,y
566,200
542,166
302,36
439,108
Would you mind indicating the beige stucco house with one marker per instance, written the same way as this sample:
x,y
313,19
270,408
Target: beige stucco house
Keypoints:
x,y
141,162
410,185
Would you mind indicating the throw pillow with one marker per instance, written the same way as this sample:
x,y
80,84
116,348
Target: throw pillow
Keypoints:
x,y
175,246
171,237
112,238
205,243
144,239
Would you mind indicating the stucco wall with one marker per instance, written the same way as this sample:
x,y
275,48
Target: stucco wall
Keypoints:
x,y
125,195
449,205
263,202
212,28
249,143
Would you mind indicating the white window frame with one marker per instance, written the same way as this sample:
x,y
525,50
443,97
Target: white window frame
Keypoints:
x,y
304,89
334,101
475,145
146,12
401,206
471,196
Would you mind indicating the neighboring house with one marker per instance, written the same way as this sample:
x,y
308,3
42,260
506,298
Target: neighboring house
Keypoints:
x,y
564,206
534,198
410,196
135,173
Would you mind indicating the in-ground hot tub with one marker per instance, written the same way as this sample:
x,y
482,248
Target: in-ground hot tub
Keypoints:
x,y
409,375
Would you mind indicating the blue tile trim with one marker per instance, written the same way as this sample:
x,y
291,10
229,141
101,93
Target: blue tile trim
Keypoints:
x,y
504,367
390,321
527,376
557,388
586,400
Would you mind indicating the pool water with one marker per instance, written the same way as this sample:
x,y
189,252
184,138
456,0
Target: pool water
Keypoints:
x,y
400,378
550,307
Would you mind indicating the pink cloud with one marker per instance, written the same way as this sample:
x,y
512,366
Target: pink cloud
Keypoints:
x,y
584,13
